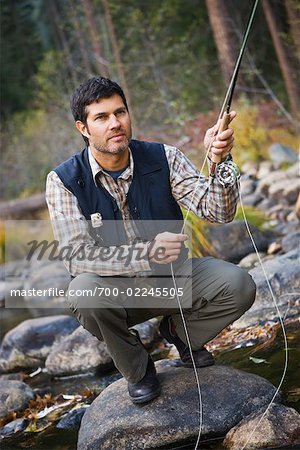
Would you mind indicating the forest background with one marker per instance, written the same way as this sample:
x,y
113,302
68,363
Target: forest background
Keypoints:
x,y
173,58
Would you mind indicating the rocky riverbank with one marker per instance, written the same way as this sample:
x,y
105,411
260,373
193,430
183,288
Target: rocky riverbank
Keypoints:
x,y
54,343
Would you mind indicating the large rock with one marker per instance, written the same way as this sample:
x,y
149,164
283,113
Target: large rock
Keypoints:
x,y
283,275
12,276
28,344
271,179
297,207
16,426
266,204
265,168
290,242
248,185
281,185
281,154
288,190
251,260
46,276
279,427
14,269
293,171
231,241
79,352
7,288
14,396
288,228
228,395
250,169
252,199
72,419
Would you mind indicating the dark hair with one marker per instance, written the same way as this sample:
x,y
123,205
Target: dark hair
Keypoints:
x,y
89,92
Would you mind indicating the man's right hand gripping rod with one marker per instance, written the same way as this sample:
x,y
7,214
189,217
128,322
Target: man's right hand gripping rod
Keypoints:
x,y
216,159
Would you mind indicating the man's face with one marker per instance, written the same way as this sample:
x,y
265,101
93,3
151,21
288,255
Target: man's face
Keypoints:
x,y
108,125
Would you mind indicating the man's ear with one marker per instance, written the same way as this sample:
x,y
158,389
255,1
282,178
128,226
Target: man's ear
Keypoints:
x,y
82,128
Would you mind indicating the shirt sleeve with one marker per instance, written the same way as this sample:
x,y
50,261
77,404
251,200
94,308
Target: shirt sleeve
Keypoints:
x,y
70,229
191,189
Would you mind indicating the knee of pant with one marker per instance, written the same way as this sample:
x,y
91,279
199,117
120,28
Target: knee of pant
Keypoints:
x,y
89,320
244,289
75,289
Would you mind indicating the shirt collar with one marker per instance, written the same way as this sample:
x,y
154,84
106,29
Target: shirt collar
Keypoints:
x,y
96,168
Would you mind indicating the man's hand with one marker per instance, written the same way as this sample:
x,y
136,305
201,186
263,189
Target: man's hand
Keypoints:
x,y
165,248
222,142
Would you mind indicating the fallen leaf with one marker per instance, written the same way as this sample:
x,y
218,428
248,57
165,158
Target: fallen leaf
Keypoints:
x,y
258,360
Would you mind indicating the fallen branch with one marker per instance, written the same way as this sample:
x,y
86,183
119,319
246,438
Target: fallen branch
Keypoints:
x,y
22,208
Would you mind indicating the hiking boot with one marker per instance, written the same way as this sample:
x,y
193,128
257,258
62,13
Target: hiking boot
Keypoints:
x,y
202,357
147,388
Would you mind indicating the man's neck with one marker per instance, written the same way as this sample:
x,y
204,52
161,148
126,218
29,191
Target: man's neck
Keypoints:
x,y
111,162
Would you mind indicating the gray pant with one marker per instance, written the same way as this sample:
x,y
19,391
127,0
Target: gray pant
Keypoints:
x,y
221,293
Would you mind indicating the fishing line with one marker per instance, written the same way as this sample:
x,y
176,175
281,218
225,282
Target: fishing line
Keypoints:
x,y
278,313
279,316
214,133
193,360
226,109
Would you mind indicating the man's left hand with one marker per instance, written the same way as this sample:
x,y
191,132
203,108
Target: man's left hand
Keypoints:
x,y
222,143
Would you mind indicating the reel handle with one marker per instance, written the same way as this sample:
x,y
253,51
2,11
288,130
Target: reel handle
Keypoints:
x,y
223,126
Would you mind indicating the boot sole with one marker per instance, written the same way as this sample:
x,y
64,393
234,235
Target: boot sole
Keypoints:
x,y
204,364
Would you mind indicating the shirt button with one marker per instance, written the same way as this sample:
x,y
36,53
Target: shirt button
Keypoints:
x,y
116,191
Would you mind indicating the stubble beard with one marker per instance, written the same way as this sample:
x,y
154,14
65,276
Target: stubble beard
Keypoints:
x,y
113,150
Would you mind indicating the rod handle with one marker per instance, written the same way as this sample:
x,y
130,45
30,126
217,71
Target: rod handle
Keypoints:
x,y
223,126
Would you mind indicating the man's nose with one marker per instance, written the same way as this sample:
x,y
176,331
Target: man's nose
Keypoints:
x,y
114,122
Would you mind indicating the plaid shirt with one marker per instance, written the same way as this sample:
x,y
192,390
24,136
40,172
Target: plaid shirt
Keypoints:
x,y
212,202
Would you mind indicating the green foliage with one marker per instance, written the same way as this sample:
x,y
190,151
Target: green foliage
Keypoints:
x,y
170,61
36,140
50,82
198,242
169,52
15,236
20,52
254,215
250,135
256,129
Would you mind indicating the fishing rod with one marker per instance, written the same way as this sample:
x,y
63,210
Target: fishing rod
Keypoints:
x,y
227,172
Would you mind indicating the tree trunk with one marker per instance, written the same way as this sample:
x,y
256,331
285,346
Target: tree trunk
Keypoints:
x,y
294,22
225,41
101,63
118,60
283,54
64,42
158,73
80,39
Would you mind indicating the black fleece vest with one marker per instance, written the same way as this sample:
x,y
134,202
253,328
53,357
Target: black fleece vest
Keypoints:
x,y
149,197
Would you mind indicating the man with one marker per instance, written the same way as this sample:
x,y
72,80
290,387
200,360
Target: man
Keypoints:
x,y
99,201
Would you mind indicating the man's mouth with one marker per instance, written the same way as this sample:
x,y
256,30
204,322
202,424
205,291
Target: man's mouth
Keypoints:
x,y
117,136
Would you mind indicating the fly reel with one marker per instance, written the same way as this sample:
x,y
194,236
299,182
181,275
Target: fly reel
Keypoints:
x,y
227,173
